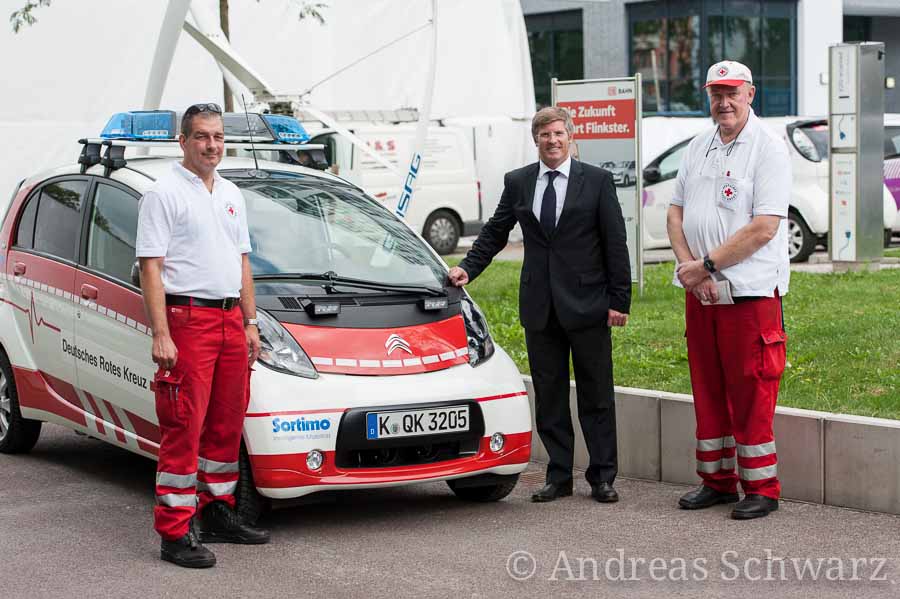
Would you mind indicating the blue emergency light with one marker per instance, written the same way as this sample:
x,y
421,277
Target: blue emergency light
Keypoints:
x,y
141,124
287,129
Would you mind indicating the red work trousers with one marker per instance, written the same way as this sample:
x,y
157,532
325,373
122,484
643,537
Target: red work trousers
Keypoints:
x,y
736,355
200,404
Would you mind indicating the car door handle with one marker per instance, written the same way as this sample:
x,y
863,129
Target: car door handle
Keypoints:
x,y
19,269
88,292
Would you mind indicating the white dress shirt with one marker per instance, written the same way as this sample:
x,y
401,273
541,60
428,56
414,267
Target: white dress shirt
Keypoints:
x,y
560,185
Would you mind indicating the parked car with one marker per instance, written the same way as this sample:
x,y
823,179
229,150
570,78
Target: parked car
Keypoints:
x,y
808,222
623,173
892,161
372,373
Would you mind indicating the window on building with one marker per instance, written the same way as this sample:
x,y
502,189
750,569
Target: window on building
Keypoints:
x,y
673,42
556,43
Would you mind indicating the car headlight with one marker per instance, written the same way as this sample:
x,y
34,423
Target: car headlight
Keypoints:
x,y
280,351
481,346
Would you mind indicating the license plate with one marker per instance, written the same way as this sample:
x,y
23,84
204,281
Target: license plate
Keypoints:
x,y
382,425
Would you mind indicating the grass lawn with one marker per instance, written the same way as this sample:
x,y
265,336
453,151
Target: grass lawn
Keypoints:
x,y
843,337
892,252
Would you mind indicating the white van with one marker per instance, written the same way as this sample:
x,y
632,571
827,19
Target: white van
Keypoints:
x,y
446,204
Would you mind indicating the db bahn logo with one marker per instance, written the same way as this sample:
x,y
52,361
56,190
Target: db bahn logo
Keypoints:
x,y
729,192
395,342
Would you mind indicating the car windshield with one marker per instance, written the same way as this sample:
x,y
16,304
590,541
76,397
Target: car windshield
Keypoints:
x,y
304,225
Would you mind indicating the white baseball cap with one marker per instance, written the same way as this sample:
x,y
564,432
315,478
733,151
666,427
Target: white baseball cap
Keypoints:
x,y
728,72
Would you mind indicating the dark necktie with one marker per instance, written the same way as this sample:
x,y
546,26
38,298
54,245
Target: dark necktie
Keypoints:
x,y
548,205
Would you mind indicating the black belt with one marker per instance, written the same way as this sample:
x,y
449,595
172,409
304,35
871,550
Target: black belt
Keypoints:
x,y
185,300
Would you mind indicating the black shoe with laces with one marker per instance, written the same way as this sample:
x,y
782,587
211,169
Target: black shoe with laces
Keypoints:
x,y
221,524
187,552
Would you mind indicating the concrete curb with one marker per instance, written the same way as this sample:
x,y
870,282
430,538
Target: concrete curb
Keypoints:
x,y
833,459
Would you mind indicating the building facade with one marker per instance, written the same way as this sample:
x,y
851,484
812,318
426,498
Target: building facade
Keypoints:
x,y
672,42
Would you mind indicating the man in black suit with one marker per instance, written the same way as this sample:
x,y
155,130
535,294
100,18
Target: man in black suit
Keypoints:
x,y
575,285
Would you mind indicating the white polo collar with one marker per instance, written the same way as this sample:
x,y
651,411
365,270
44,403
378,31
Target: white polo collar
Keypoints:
x,y
745,136
562,169
194,177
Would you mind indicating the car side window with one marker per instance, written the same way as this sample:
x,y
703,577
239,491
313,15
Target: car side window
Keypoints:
x,y
58,221
113,228
25,230
668,166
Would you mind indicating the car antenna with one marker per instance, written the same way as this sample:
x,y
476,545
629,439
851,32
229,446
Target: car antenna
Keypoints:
x,y
255,172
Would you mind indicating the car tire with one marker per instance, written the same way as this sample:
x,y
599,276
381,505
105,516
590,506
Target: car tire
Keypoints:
x,y
888,234
486,493
249,504
17,434
801,241
442,231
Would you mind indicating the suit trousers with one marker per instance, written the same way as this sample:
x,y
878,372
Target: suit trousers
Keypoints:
x,y
548,357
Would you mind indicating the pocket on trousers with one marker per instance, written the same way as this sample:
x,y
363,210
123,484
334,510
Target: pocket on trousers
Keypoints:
x,y
773,353
178,316
169,405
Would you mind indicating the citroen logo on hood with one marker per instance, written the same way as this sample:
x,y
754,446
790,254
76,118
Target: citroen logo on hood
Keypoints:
x,y
395,342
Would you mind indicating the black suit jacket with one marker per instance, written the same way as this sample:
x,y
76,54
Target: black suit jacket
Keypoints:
x,y
582,266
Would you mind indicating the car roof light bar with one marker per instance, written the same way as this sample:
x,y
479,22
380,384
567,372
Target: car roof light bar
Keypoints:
x,y
141,124
286,129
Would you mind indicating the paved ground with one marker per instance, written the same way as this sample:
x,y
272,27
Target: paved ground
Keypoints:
x,y
75,522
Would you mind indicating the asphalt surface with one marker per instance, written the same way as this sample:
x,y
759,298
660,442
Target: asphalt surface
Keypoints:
x,y
75,521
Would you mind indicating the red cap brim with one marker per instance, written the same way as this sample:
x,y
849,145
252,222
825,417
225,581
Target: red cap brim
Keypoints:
x,y
729,82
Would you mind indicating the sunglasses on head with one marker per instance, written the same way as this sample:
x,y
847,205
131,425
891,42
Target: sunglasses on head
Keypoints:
x,y
198,108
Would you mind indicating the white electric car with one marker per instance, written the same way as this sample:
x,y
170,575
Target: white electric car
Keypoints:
x,y
807,141
373,372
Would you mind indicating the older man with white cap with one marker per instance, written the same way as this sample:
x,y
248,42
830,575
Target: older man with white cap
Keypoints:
x,y
728,230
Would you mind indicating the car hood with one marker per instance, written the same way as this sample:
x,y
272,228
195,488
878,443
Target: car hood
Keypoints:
x,y
385,351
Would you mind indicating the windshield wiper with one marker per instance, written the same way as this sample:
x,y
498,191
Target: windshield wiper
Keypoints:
x,y
891,156
332,279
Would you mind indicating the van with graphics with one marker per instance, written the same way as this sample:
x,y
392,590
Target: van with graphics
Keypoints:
x,y
447,203
373,372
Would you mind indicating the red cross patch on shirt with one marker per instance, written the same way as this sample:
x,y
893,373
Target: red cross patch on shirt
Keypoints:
x,y
230,210
729,192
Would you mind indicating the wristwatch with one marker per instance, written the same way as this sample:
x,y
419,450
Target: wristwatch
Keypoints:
x,y
709,264
252,321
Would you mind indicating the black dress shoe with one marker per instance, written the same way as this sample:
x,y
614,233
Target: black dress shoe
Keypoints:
x,y
754,506
604,493
221,524
187,552
552,491
703,497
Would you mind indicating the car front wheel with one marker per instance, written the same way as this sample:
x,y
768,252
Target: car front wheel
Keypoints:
x,y
483,493
250,505
442,232
17,434
801,241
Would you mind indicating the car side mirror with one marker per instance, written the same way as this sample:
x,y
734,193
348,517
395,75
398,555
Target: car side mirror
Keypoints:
x,y
652,174
136,274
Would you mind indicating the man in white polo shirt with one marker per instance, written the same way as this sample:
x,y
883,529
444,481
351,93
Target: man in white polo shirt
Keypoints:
x,y
193,241
728,231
